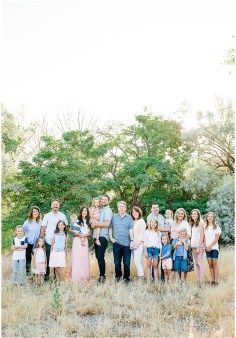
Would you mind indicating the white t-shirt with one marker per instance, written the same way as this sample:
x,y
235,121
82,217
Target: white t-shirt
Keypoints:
x,y
50,221
39,255
196,235
210,236
152,239
184,225
19,254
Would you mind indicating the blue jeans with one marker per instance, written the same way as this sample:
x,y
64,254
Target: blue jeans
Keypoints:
x,y
122,252
100,255
18,266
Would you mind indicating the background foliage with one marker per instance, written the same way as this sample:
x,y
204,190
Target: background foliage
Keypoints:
x,y
154,159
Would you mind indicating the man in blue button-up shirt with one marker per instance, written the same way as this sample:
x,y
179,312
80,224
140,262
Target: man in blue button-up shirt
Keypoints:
x,y
104,222
119,233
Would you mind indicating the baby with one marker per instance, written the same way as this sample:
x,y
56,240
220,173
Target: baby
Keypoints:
x,y
75,228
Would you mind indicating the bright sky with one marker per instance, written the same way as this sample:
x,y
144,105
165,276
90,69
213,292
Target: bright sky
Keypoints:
x,y
111,58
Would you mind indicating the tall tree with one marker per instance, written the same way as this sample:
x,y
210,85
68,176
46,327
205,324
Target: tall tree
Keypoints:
x,y
146,159
213,141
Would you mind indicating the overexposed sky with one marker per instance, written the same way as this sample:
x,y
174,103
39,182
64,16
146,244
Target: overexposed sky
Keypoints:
x,y
111,58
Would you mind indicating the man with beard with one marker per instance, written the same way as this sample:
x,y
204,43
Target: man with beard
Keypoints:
x,y
48,227
103,224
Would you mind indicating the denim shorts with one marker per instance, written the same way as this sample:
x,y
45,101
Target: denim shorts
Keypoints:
x,y
213,254
180,264
153,252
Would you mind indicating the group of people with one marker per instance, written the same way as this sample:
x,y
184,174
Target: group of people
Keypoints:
x,y
41,246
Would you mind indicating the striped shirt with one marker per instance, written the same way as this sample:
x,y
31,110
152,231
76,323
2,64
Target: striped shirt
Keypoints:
x,y
121,226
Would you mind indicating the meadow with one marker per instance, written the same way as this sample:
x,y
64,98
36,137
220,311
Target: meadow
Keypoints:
x,y
114,309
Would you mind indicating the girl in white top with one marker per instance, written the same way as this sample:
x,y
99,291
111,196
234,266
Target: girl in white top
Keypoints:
x,y
137,239
152,246
39,261
197,237
212,235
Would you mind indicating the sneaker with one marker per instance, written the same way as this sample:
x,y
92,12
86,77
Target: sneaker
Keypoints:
x,y
102,279
117,279
213,283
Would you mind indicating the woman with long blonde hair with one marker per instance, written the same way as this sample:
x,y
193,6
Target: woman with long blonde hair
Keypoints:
x,y
180,223
197,237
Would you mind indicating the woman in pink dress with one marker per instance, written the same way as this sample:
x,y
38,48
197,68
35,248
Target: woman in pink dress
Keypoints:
x,y
80,250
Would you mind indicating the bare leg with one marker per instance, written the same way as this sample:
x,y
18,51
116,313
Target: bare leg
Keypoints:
x,y
176,273
41,278
215,270
155,265
210,263
169,274
149,270
57,272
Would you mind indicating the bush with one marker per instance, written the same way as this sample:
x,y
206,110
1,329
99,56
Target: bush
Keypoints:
x,y
222,203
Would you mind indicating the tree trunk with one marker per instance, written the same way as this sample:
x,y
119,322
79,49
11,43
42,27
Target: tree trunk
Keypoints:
x,y
135,196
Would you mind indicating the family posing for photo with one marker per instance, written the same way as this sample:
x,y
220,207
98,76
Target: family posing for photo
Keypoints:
x,y
41,246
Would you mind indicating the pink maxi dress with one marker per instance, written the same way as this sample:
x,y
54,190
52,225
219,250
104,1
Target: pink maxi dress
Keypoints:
x,y
80,258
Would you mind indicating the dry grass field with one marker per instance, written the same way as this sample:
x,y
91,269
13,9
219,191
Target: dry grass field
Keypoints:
x,y
119,310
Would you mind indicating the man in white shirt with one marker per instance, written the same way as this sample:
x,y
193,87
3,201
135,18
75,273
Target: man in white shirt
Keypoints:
x,y
48,227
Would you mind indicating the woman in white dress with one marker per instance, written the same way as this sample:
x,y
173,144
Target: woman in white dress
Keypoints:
x,y
137,240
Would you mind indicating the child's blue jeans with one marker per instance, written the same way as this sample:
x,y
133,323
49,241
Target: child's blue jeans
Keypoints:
x,y
18,266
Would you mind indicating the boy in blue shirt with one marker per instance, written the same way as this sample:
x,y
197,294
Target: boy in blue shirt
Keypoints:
x,y
180,246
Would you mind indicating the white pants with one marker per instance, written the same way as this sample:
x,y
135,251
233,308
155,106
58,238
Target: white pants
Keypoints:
x,y
138,258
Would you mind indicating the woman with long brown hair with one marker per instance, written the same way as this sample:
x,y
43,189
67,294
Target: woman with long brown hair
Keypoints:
x,y
212,235
197,237
79,270
31,228
138,238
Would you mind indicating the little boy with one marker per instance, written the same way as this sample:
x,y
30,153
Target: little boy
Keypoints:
x,y
19,245
180,246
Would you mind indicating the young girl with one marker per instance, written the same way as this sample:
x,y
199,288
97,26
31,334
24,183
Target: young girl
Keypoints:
x,y
168,222
19,245
152,245
39,261
180,246
59,251
94,212
75,227
165,257
197,238
212,235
